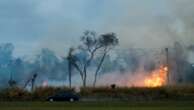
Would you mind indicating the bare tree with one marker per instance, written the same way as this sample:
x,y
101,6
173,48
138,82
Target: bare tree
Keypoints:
x,y
31,81
91,45
12,82
73,61
108,42
69,58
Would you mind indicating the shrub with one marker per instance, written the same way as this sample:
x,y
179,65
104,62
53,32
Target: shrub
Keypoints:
x,y
13,94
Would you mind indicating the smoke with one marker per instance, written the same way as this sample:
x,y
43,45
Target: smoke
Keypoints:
x,y
128,67
144,29
139,24
124,79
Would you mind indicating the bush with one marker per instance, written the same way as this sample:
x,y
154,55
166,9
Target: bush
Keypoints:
x,y
14,94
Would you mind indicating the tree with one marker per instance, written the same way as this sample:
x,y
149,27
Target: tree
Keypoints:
x,y
12,83
6,58
73,62
93,45
108,42
70,61
47,62
6,52
180,62
31,81
90,44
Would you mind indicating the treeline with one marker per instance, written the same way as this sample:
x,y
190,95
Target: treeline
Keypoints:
x,y
96,55
47,65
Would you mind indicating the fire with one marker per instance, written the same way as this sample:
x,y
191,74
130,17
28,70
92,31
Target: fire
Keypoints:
x,y
157,78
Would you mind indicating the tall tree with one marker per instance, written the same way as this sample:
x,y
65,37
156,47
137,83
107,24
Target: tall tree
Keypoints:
x,y
93,45
70,58
108,42
90,44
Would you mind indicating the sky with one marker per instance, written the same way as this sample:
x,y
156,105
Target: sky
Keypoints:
x,y
58,24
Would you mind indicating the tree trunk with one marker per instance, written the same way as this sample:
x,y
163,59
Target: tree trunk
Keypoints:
x,y
69,69
85,74
98,69
84,82
79,70
85,68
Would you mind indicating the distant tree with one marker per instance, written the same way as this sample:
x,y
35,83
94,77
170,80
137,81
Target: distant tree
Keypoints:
x,y
70,61
180,61
46,62
93,45
12,82
6,52
90,44
108,42
73,62
6,58
31,81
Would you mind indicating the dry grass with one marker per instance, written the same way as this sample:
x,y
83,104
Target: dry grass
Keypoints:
x,y
129,94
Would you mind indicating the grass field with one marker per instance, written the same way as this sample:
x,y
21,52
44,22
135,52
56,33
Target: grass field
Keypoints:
x,y
165,105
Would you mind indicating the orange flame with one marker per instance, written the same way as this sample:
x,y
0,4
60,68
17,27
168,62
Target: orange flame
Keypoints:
x,y
157,78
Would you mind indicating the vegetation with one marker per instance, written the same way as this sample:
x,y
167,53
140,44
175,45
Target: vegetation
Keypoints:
x,y
92,46
182,93
139,94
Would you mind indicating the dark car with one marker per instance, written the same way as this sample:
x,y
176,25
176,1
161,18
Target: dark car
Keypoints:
x,y
64,96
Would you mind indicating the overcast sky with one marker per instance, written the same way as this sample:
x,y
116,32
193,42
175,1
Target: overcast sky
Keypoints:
x,y
58,24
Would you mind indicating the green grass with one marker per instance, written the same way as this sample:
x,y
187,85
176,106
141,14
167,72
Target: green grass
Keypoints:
x,y
162,105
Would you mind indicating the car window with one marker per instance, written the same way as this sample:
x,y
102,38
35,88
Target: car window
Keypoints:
x,y
63,94
66,94
59,95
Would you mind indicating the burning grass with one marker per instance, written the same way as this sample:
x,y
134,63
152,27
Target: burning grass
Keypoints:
x,y
157,78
